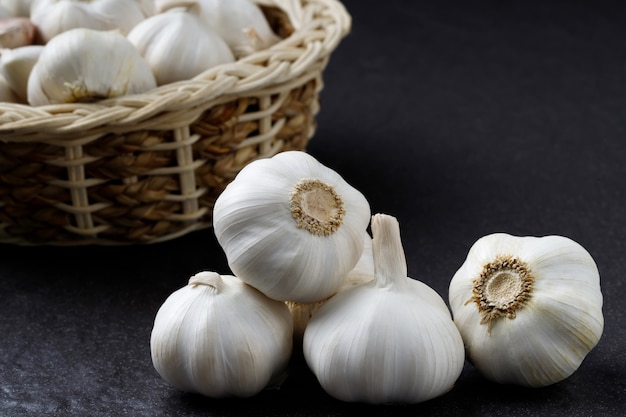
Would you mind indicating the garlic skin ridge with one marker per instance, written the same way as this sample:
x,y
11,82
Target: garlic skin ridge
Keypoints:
x,y
529,308
387,341
221,338
291,227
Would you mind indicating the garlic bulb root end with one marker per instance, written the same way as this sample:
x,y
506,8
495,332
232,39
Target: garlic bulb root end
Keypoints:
x,y
503,287
316,207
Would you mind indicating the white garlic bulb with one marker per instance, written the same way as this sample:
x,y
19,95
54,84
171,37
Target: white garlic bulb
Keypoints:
x,y
53,17
391,340
16,65
291,227
241,23
178,45
16,7
70,69
529,308
16,32
219,337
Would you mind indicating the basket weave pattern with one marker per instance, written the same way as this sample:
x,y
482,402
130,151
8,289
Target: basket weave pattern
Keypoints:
x,y
148,168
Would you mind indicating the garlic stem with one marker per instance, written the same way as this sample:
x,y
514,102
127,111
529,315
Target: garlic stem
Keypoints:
x,y
390,267
209,279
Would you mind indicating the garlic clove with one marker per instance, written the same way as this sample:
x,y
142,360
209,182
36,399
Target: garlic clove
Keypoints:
x,y
69,69
291,227
220,338
171,40
390,340
529,309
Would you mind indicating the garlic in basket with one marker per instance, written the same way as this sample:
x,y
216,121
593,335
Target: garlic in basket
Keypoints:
x,y
177,44
84,65
529,308
16,65
53,17
390,340
291,227
16,32
241,23
16,8
219,337
7,95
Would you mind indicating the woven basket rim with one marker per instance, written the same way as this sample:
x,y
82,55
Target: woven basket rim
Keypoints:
x,y
319,26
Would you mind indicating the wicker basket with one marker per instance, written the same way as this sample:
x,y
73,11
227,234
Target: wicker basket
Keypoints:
x,y
148,168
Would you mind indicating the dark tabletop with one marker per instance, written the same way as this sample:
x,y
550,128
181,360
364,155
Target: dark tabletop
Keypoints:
x,y
460,120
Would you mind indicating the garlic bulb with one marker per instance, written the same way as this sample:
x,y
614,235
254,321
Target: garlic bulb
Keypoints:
x,y
241,23
529,308
361,273
17,8
53,17
221,338
16,65
16,32
70,69
291,227
391,340
178,45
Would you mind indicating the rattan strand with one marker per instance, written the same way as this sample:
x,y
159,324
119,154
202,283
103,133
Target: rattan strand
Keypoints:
x,y
147,168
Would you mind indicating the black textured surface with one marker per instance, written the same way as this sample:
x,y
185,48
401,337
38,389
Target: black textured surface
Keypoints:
x,y
460,120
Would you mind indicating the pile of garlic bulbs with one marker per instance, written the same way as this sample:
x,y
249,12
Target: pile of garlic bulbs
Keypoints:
x,y
523,310
65,51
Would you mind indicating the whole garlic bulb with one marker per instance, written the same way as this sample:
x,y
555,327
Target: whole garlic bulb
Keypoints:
x,y
529,308
219,337
241,23
291,227
177,44
53,17
70,69
391,340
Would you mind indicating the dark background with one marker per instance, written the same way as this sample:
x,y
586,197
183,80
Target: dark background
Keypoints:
x,y
460,119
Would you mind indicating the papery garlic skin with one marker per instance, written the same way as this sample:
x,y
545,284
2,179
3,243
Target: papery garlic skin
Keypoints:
x,y
241,23
553,321
53,17
391,340
291,227
221,338
363,272
178,45
71,69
